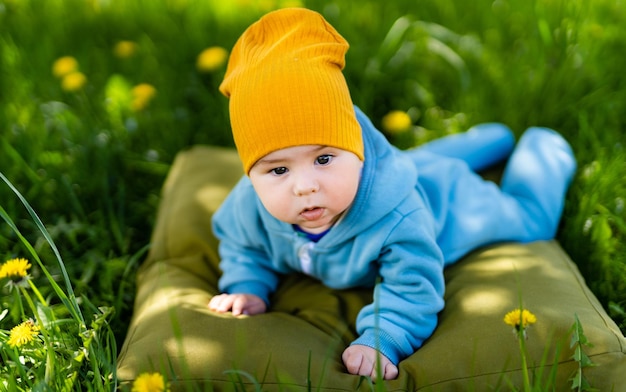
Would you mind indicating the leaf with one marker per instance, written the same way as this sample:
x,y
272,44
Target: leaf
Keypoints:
x,y
394,39
577,341
68,299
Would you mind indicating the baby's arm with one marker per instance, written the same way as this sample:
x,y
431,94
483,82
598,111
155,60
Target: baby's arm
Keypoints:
x,y
249,275
249,304
409,294
361,360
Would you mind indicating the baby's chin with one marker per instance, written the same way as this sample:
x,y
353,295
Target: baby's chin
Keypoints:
x,y
312,228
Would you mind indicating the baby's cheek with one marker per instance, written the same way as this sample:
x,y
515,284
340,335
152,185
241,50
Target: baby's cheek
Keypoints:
x,y
344,195
280,208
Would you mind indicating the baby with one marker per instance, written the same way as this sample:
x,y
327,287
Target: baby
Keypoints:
x,y
325,194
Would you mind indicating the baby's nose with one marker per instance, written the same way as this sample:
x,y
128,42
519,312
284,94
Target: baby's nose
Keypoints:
x,y
305,185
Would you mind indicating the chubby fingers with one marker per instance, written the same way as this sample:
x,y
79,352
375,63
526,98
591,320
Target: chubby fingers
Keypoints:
x,y
357,363
238,304
361,360
221,303
247,304
390,371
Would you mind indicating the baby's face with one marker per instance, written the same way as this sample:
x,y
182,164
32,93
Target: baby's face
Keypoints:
x,y
310,185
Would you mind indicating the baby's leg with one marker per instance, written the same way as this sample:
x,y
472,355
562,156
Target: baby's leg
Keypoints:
x,y
538,175
471,212
481,146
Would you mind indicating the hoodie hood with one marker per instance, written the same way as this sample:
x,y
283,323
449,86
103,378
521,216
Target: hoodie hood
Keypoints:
x,y
388,178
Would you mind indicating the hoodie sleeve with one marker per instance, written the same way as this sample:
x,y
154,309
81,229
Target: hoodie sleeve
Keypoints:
x,y
409,294
245,262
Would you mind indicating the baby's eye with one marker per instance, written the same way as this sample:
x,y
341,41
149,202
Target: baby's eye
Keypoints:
x,y
279,171
323,159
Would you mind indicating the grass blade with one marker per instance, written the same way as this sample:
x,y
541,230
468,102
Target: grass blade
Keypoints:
x,y
70,299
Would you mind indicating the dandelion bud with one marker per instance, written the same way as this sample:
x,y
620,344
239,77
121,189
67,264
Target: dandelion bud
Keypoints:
x,y
396,121
73,82
142,95
64,66
211,59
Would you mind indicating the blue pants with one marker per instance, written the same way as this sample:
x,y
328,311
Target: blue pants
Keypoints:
x,y
472,212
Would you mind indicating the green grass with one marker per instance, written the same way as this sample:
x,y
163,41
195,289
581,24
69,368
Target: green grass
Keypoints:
x,y
92,169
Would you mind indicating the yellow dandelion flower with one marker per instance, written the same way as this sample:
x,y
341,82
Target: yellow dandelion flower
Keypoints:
x,y
396,121
211,59
124,49
64,66
15,268
517,318
150,382
142,95
23,333
73,82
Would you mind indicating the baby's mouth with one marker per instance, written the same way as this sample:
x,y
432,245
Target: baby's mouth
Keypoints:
x,y
312,213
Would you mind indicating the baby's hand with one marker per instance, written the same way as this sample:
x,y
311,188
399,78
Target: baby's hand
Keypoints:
x,y
361,360
237,303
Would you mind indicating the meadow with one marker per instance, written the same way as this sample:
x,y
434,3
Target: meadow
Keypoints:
x,y
98,96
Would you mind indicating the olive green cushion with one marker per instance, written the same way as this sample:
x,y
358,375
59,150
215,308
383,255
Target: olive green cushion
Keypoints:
x,y
298,344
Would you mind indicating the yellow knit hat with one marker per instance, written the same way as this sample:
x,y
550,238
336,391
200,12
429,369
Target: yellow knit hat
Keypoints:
x,y
286,87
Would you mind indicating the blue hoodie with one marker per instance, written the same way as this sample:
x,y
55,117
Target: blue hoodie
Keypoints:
x,y
401,229
388,233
